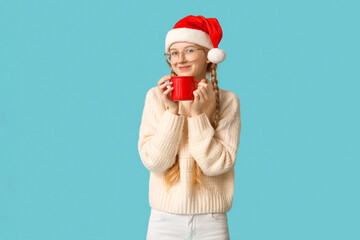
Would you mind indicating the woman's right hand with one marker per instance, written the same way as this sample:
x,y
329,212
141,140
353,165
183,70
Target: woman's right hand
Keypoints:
x,y
164,91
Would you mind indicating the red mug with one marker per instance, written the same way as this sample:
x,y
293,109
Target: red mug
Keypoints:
x,y
184,87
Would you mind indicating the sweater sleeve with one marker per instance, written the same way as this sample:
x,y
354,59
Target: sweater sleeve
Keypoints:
x,y
215,150
159,135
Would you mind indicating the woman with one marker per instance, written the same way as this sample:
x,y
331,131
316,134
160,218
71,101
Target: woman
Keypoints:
x,y
190,147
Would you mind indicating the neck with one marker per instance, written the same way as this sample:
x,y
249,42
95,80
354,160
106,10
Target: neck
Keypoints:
x,y
200,77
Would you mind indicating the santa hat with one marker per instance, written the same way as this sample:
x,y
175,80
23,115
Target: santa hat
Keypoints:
x,y
203,31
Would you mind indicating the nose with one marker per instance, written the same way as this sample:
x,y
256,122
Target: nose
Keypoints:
x,y
182,57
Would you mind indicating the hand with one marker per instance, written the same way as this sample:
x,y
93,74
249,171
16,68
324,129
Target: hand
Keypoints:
x,y
162,85
200,96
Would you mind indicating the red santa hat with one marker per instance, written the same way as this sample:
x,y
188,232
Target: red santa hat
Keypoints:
x,y
203,31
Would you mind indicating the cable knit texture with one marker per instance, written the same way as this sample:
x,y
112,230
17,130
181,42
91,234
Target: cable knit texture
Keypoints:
x,y
163,135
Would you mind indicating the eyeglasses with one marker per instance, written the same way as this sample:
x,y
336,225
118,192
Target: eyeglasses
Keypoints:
x,y
189,52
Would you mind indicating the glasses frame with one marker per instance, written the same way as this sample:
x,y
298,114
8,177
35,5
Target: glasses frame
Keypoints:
x,y
167,54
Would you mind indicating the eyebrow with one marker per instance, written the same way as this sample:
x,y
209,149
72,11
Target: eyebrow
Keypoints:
x,y
185,47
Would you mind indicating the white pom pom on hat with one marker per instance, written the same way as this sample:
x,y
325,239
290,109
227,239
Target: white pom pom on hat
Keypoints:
x,y
216,55
203,31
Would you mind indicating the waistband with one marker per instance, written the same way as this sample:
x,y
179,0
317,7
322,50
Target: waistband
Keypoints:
x,y
157,211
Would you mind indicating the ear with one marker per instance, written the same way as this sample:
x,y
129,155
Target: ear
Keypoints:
x,y
207,61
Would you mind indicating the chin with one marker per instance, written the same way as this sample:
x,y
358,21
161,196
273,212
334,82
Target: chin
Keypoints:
x,y
184,73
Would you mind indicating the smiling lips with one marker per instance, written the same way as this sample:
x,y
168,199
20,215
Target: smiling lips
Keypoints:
x,y
184,68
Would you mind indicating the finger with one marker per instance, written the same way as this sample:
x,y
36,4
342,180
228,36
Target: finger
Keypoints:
x,y
165,85
204,89
196,96
201,88
201,95
169,90
205,92
202,84
163,79
197,91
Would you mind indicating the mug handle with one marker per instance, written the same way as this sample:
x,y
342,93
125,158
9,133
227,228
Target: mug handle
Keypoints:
x,y
197,81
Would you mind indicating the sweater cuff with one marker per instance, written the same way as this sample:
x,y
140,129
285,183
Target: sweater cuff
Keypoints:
x,y
200,128
171,126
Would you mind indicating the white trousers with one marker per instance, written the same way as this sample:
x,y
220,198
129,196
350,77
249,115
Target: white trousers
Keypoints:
x,y
169,226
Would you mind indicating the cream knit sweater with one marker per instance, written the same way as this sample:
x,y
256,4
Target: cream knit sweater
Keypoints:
x,y
163,135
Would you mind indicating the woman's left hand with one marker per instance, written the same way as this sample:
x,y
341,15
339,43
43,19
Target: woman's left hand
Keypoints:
x,y
200,96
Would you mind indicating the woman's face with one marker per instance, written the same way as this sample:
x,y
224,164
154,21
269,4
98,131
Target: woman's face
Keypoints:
x,y
187,61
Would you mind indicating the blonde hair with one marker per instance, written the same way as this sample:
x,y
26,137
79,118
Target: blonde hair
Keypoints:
x,y
172,175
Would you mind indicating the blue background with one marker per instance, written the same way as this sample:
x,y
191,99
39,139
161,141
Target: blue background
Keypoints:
x,y
73,79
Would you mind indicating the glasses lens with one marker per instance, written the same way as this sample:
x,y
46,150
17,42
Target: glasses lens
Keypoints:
x,y
190,53
174,55
168,57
